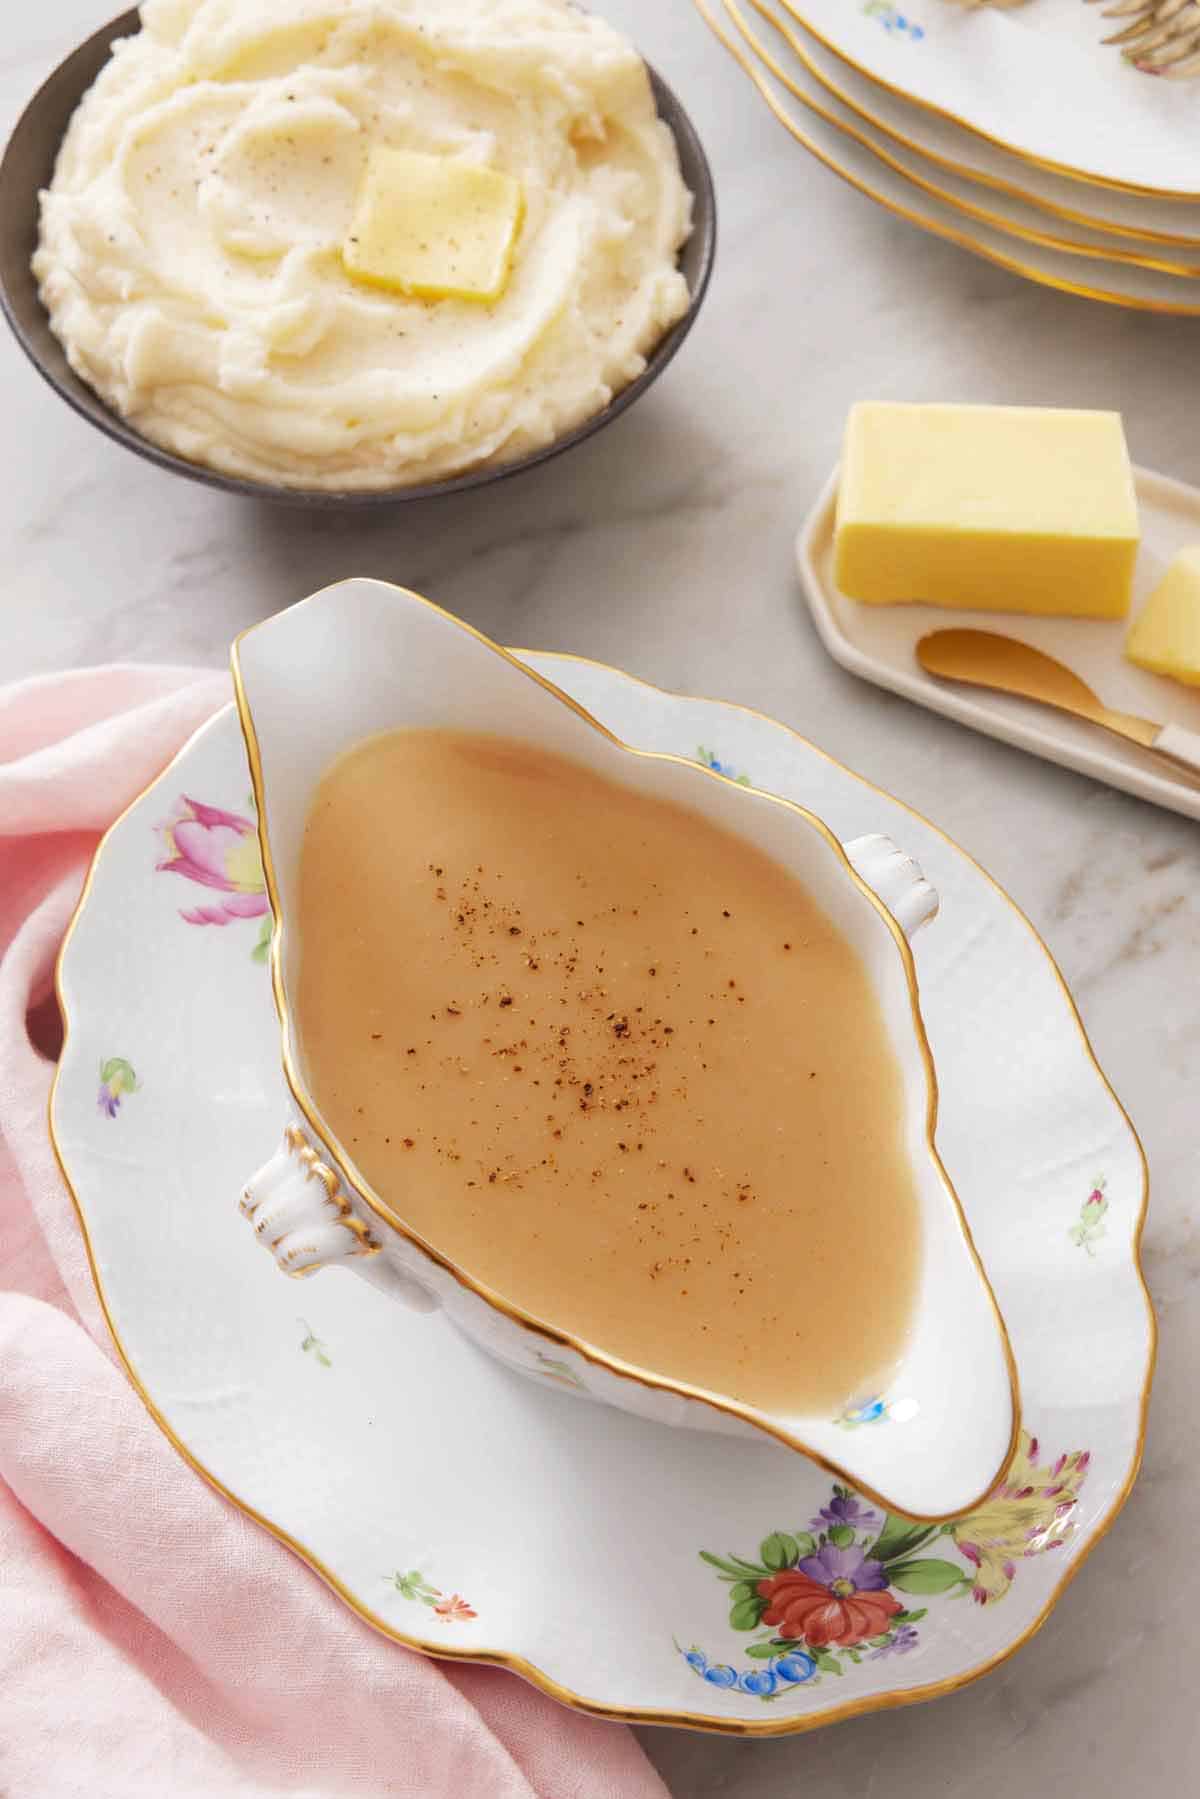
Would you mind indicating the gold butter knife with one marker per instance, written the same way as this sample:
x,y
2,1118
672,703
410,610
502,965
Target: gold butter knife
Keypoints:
x,y
1006,665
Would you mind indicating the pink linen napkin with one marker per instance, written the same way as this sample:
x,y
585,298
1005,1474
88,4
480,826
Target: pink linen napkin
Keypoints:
x,y
152,1640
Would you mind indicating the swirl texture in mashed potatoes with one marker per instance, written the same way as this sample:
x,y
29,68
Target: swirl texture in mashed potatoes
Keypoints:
x,y
190,251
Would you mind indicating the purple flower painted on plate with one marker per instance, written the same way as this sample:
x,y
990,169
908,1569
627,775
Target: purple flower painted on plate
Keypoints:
x,y
904,1638
218,850
116,1079
847,1509
844,1571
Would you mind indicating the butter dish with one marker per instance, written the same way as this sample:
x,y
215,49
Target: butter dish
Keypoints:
x,y
878,644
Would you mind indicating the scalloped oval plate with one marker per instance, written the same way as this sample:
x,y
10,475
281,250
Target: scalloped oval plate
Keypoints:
x,y
449,1501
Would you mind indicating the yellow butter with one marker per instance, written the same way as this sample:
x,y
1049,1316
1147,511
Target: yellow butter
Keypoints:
x,y
1165,636
437,227
995,508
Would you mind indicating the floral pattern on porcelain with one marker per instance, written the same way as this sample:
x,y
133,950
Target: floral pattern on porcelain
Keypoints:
x,y
871,1411
875,1411
840,1591
1090,1224
709,759
450,1608
560,1372
116,1080
311,1345
184,1057
893,20
218,850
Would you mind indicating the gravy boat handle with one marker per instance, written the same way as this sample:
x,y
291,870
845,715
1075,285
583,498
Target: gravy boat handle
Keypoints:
x,y
894,878
304,1208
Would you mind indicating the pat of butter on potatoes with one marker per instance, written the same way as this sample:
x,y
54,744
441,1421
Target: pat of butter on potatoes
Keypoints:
x,y
1165,636
989,508
434,227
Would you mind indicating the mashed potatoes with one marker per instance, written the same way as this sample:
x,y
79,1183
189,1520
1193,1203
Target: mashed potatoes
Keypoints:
x,y
191,241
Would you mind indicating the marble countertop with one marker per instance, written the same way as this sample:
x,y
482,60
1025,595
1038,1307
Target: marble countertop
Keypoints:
x,y
665,545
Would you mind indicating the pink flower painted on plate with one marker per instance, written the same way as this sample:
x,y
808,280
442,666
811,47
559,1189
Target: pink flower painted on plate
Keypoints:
x,y
217,850
451,1608
1090,1224
454,1609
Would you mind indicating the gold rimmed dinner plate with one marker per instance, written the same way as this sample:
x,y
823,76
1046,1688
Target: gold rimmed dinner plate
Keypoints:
x,y
782,55
881,178
437,1492
1040,85
956,152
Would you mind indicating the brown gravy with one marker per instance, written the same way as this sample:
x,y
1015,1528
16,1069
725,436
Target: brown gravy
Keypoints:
x,y
613,1062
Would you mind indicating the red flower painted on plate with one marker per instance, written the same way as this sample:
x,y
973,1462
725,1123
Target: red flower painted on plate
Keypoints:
x,y
216,849
835,1597
454,1609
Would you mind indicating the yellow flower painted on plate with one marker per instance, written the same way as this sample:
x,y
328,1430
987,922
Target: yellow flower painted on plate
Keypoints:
x,y
1029,1512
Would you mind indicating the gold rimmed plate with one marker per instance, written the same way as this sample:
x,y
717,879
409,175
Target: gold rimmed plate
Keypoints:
x,y
781,54
1039,84
909,128
847,151
357,1432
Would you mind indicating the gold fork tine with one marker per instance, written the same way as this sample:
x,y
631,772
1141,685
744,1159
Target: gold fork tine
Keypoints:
x,y
1180,70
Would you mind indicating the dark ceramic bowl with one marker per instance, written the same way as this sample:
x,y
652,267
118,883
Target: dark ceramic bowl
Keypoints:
x,y
28,165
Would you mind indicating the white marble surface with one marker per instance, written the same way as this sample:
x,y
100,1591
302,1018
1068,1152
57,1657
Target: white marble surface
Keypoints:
x,y
664,545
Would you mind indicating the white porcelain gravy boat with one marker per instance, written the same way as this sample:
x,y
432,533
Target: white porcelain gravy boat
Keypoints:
x,y
365,657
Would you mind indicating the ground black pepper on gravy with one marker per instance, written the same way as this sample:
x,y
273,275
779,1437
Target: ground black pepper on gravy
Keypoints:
x,y
611,1060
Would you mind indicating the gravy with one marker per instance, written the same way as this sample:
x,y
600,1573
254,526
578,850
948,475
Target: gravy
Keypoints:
x,y
611,1060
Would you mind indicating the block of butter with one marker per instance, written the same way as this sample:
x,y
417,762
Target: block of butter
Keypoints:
x,y
437,227
1165,636
994,508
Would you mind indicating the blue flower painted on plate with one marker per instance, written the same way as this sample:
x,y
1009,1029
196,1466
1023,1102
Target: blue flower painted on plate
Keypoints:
x,y
720,1674
709,759
893,20
796,1668
762,1682
869,1412
790,1668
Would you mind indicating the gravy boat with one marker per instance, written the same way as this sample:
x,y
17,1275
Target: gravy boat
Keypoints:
x,y
365,657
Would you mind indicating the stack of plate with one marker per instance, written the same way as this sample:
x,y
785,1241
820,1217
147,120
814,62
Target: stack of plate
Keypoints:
x,y
1017,133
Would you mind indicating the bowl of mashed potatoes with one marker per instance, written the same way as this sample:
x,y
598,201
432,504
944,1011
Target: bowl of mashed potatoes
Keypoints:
x,y
345,251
